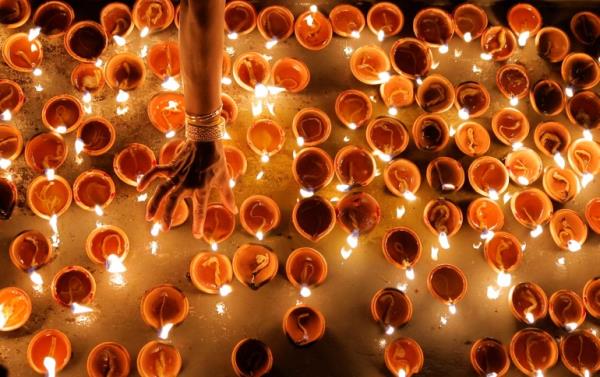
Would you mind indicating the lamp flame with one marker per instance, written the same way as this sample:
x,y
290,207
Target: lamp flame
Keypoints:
x,y
536,231
352,239
165,330
80,309
467,37
492,293
50,365
523,37
225,290
504,279
114,264
573,246
443,241
305,292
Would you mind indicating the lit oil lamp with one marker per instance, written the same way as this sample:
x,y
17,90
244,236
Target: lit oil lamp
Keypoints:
x,y
11,143
15,308
47,197
163,59
291,74
251,357
97,135
524,20
48,352
259,214
219,223
157,358
105,241
30,250
533,351
275,23
591,297
240,18
236,162
312,169
498,43
166,112
411,58
87,78
472,99
510,126
313,30
531,208
580,352
436,94
552,138
583,109
358,213
470,21
210,272
485,215
584,157
163,307
385,19
404,357
116,19
433,26
579,70
524,166
254,265
552,44
170,150
94,190
311,126
108,358
133,161
488,176
391,308
445,174
402,178
387,136
85,41
73,285
443,218
306,268
528,302
230,108
489,357
53,18
15,13
568,230
353,108
397,92
313,217
265,137
347,20
547,97
592,214
251,69
369,64
585,26
566,309
22,54
62,114
354,166
431,132
513,81
303,325
560,184
503,252
402,247
125,71
472,139
153,15
12,99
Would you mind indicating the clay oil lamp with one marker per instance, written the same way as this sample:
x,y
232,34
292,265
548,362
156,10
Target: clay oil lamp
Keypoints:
x,y
552,44
21,54
153,15
180,214
251,357
49,197
591,297
551,138
30,249
85,41
53,18
108,358
254,265
230,108
104,241
513,81
580,352
531,208
259,215
568,230
402,178
313,30
347,20
592,214
525,21
489,357
97,134
470,21
533,351
503,252
311,126
306,268
485,215
15,308
94,190
251,69
62,113
163,59
210,272
166,112
566,309
353,108
275,23
443,218
584,158
472,99
445,174
87,77
524,166
404,357
265,137
585,26
498,43
584,109
133,161
11,142
385,19
12,98
312,169
528,302
73,286
157,358
48,351
402,247
411,58
579,70
358,213
218,225
488,176
561,184
163,307
116,19
313,217
510,126
303,325
236,162
397,92
354,166
387,137
15,13
291,74
472,139
547,98
448,284
391,308
430,133
370,65
240,18
125,71
434,26
436,94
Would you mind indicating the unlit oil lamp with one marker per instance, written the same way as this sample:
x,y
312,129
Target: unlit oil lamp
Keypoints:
x,y
49,351
291,74
275,23
259,215
73,286
513,81
251,69
265,137
552,138
552,44
22,54
528,302
251,357
584,109
489,357
391,308
580,352
219,223
434,26
402,178
448,284
404,357
431,132
254,265
531,208
591,297
30,249
347,20
402,247
411,58
49,197
311,126
369,64
524,166
397,92
312,169
533,351
353,108
85,41
94,190
163,307
158,358
561,185
387,136
15,13
498,43
166,112
547,97
153,15
210,272
133,161
313,217
385,19
125,71
445,174
436,94
524,20
566,309
503,253
53,18
15,308
87,78
163,59
306,268
354,166
97,136
592,214
488,176
12,99
108,358
568,230
358,213
585,26
485,215
584,158
510,126
11,143
470,21
116,19
303,325
313,30
106,241
472,139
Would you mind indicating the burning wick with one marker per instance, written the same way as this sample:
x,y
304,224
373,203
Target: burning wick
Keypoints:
x,y
400,211
260,235
6,115
306,193
523,37
305,291
355,34
586,179
573,246
452,309
120,41
37,280
536,231
389,330
434,253
164,331
352,239
410,273
504,279
214,246
144,32
50,365
225,290
55,238
393,111
80,309
87,99
485,56
463,113
5,163
122,98
170,84
514,101
380,35
569,91
560,161
443,241
99,211
467,37
443,49
270,44
384,76
492,293
408,195
345,253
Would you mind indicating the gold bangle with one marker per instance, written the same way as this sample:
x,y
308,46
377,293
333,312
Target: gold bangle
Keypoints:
x,y
203,132
201,119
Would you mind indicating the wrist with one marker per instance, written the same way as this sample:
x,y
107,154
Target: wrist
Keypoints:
x,y
205,131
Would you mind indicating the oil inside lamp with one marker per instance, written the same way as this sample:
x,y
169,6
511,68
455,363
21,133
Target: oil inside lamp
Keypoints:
x,y
387,136
472,139
524,166
445,174
430,132
87,78
153,15
12,99
470,21
503,252
385,19
591,297
180,214
592,214
251,357
219,223
448,284
443,218
547,97
97,136
533,351
353,108
303,325
163,307
47,197
210,272
585,26
116,19
580,352
93,188
561,184
566,309
485,215
133,161
254,265
108,358
49,351
402,178
347,20
240,18
265,137
85,41
531,208
62,113
157,358
552,44
498,43
584,157
259,214
404,357
579,70
368,63
354,166
435,94
472,98
312,168
306,268
528,302
236,162
312,125
568,230
74,287
53,18
489,358
313,217
15,308
510,126
170,150
525,20
358,212
166,112
583,109
11,144
313,30
105,241
275,23
391,308
433,26
14,13
21,53
291,74
552,138
163,59
488,176
397,92
125,71
251,69
513,81
30,250
411,58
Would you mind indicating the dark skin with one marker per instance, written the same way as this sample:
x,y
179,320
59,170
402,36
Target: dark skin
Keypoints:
x,y
200,166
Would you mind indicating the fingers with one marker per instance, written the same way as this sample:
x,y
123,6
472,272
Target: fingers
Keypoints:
x,y
170,205
152,174
161,191
226,194
199,202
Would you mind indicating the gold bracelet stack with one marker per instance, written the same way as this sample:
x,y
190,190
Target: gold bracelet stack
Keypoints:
x,y
208,127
